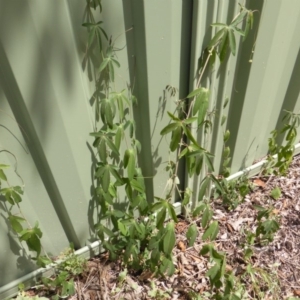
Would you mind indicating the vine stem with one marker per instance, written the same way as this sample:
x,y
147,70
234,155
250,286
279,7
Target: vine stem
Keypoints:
x,y
187,116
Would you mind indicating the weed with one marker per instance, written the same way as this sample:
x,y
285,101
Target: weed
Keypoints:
x,y
156,293
61,284
233,192
264,284
281,163
267,224
12,198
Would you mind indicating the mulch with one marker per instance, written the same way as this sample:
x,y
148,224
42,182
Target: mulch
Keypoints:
x,y
275,266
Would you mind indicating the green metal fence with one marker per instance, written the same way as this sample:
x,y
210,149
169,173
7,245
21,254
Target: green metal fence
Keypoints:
x,y
46,83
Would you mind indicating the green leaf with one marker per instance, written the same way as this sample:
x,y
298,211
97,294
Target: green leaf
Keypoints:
x,y
171,211
137,186
204,184
15,223
191,235
116,62
131,165
102,150
42,262
131,128
270,227
211,232
183,152
126,158
169,238
122,228
34,243
226,136
187,196
232,42
214,273
206,157
207,215
2,166
239,18
239,31
218,25
226,103
111,72
88,25
109,114
2,175
167,267
173,117
208,248
201,105
226,152
104,229
37,230
120,107
8,196
175,140
68,288
112,146
249,24
190,120
129,162
223,46
195,151
217,183
106,178
103,65
218,36
190,136
169,128
194,93
91,36
158,205
198,209
276,193
115,173
161,217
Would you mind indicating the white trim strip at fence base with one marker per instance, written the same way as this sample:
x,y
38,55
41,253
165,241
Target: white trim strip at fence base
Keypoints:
x,y
31,279
256,168
11,289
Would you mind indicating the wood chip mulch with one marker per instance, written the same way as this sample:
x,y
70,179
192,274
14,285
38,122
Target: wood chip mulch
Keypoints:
x,y
276,266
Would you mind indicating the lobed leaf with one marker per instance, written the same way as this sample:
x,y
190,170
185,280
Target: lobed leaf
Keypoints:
x,y
15,223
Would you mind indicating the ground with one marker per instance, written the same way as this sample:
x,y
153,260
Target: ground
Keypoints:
x,y
271,272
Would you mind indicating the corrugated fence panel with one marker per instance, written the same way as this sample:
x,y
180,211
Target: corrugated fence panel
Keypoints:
x,y
158,53
42,89
270,79
226,81
46,82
